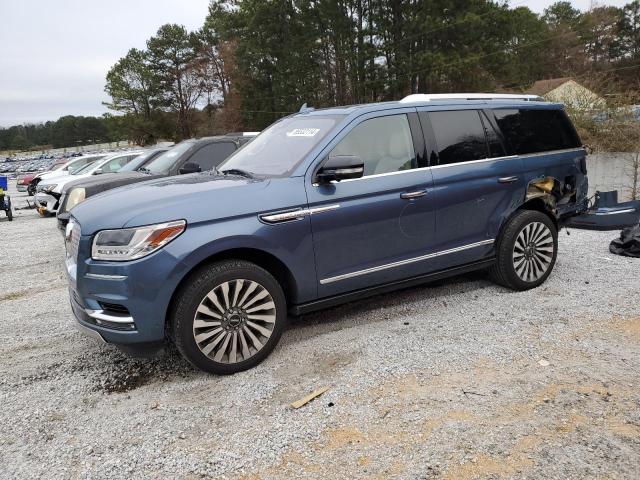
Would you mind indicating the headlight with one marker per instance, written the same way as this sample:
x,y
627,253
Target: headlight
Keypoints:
x,y
76,195
130,243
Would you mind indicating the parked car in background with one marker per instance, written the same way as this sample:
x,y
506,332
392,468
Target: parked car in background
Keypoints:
x,y
189,156
325,207
49,191
66,168
23,181
83,188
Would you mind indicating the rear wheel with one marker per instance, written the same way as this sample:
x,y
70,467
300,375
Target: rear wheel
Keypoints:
x,y
526,251
229,317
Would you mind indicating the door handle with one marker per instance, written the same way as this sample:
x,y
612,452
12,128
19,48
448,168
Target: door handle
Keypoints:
x,y
410,195
507,179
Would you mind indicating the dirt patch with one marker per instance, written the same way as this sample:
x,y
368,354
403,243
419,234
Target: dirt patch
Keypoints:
x,y
630,328
14,295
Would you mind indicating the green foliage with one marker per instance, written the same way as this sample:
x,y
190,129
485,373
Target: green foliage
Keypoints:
x,y
132,85
67,131
561,14
172,59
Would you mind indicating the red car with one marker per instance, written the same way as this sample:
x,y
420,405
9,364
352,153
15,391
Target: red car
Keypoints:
x,y
23,181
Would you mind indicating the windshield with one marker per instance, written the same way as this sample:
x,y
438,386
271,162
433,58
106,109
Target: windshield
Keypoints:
x,y
79,164
282,146
139,161
84,168
164,162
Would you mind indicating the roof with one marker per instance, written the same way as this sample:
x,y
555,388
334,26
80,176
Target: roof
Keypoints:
x,y
542,87
439,100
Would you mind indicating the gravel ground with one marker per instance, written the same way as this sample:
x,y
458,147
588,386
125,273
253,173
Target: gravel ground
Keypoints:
x,y
460,379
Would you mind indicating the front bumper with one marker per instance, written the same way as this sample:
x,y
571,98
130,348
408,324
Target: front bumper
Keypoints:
x,y
126,303
46,202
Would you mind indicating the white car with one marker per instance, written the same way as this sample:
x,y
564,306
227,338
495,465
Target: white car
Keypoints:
x,y
70,167
49,190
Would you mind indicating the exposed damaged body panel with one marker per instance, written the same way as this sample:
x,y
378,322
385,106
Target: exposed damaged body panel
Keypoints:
x,y
565,197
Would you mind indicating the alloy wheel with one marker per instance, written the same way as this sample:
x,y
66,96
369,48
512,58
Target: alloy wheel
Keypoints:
x,y
234,321
533,251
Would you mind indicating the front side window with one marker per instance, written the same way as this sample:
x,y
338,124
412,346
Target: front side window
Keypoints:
x,y
460,136
212,155
278,150
536,130
384,145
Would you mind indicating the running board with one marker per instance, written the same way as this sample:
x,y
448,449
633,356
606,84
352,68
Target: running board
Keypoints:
x,y
387,287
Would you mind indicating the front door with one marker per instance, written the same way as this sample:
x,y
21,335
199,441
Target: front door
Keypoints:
x,y
373,230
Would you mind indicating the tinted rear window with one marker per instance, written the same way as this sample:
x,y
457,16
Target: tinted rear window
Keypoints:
x,y
460,136
532,131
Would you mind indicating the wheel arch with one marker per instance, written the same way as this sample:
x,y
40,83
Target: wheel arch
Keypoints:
x,y
540,204
263,259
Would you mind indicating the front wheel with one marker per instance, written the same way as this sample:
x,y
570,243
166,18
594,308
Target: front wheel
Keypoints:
x,y
228,317
526,251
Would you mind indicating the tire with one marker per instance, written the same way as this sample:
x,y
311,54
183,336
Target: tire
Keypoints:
x,y
215,311
31,190
526,251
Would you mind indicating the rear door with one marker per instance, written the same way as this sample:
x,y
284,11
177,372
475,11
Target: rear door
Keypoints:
x,y
477,185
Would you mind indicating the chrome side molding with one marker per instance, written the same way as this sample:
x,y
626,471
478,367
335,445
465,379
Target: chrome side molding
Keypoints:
x,y
298,214
408,261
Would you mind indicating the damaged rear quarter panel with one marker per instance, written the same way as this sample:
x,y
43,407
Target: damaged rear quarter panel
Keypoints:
x,y
557,178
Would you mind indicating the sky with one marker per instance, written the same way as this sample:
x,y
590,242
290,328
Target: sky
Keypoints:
x,y
55,54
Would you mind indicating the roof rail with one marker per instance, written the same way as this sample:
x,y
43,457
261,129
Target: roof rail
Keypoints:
x,y
421,97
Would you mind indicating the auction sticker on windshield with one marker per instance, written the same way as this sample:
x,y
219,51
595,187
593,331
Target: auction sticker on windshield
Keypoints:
x,y
303,132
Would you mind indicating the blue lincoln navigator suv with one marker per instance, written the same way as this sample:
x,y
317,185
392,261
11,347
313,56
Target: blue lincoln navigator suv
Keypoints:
x,y
329,206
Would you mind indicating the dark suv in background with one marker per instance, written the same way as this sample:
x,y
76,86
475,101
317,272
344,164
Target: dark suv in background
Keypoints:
x,y
189,156
329,206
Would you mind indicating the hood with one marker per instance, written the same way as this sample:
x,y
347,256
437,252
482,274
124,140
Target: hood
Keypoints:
x,y
106,181
62,182
196,198
46,177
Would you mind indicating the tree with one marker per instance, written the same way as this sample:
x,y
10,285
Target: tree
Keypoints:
x,y
561,14
130,84
173,61
629,30
599,34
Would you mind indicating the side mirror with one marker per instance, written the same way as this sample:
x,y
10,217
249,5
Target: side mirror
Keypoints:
x,y
340,167
98,172
189,167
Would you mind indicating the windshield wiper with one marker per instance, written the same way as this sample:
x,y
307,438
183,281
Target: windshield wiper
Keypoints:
x,y
237,171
